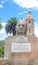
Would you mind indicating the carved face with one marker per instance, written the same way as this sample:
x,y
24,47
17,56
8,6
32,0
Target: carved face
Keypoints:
x,y
21,28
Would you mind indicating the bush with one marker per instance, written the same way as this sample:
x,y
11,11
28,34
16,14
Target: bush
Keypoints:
x,y
2,51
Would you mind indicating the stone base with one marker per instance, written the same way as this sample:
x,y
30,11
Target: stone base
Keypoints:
x,y
19,61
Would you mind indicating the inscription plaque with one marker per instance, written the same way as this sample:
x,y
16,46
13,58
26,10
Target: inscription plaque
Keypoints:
x,y
21,47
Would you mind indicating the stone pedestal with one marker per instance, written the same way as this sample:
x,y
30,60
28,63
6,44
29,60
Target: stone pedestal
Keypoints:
x,y
19,48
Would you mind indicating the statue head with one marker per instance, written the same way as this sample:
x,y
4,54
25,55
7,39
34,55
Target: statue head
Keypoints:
x,y
20,27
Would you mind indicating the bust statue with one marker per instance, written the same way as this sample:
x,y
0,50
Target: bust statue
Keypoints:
x,y
21,27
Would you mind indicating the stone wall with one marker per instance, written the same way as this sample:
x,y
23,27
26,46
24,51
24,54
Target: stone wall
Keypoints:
x,y
4,61
22,58
19,61
33,54
15,39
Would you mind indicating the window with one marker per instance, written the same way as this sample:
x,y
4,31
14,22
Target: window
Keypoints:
x,y
29,21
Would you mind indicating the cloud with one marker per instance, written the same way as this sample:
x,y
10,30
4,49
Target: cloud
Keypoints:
x,y
36,29
27,3
1,6
2,3
3,34
21,13
2,31
4,23
36,24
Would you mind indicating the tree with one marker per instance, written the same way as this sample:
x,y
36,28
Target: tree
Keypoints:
x,y
2,48
2,51
0,25
11,26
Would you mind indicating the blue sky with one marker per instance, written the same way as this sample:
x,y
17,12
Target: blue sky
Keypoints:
x,y
18,9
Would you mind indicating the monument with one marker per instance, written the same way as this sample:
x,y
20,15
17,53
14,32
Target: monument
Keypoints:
x,y
24,45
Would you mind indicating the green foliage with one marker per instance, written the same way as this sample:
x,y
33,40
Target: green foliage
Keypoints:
x,y
0,25
13,20
1,42
2,48
11,26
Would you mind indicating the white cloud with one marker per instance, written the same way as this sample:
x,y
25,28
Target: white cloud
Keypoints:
x,y
21,13
3,34
36,24
2,31
3,24
36,29
2,3
1,6
27,3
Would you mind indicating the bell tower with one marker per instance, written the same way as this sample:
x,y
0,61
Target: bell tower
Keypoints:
x,y
30,23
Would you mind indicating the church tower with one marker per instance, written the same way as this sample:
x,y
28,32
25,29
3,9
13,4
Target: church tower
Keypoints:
x,y
30,23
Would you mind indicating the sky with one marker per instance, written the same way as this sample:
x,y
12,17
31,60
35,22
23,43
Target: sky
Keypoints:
x,y
18,9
